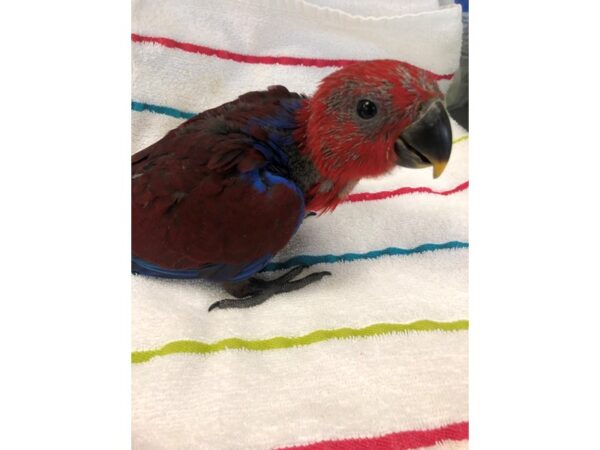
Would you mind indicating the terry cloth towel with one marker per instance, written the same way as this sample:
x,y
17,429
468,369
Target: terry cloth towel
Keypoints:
x,y
374,356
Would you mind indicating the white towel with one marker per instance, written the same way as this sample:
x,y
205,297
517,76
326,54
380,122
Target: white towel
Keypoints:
x,y
388,361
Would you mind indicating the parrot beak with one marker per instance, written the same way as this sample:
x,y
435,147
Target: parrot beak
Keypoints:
x,y
427,141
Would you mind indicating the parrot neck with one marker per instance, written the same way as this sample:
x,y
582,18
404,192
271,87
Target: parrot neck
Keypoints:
x,y
326,196
323,189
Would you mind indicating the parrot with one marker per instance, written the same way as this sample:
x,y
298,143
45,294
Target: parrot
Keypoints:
x,y
221,194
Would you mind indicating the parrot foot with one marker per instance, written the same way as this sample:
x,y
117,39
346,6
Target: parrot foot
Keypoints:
x,y
254,291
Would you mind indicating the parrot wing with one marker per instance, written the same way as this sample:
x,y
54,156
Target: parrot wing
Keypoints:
x,y
208,200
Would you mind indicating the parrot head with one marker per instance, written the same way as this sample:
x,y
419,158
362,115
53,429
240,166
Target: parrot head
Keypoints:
x,y
371,116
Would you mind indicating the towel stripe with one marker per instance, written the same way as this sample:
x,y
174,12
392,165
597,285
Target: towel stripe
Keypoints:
x,y
403,440
367,196
460,139
311,260
252,59
280,342
138,106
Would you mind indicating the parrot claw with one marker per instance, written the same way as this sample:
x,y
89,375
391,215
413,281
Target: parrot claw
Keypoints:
x,y
255,291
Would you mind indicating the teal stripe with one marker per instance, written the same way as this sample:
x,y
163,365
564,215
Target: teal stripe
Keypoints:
x,y
311,260
138,106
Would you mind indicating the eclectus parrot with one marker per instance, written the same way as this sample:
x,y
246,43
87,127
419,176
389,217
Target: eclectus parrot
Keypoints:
x,y
221,194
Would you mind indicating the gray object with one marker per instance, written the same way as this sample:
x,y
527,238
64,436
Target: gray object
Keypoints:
x,y
457,97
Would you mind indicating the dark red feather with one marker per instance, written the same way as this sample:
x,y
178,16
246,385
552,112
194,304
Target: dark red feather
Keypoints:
x,y
192,203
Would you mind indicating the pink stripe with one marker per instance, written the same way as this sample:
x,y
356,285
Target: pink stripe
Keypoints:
x,y
252,59
403,440
366,196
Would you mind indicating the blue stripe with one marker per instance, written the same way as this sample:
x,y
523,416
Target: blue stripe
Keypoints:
x,y
138,106
311,260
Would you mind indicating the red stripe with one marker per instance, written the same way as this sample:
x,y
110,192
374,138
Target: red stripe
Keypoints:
x,y
365,196
252,59
403,440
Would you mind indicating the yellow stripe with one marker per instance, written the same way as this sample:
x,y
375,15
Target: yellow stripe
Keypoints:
x,y
280,342
460,139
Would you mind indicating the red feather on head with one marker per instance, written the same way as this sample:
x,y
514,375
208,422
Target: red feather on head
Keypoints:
x,y
343,146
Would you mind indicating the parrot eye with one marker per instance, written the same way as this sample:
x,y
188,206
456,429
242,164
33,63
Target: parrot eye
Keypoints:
x,y
366,109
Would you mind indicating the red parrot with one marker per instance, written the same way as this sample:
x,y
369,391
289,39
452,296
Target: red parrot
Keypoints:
x,y
219,196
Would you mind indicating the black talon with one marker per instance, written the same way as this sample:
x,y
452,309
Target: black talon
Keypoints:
x,y
254,291
308,279
288,275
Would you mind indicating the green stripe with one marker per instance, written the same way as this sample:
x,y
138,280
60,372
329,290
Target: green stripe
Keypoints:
x,y
287,342
460,139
